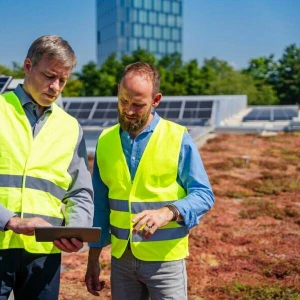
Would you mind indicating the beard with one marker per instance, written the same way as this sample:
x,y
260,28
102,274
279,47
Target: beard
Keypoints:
x,y
134,125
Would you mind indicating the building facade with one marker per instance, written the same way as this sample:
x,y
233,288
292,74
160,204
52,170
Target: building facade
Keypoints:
x,y
126,25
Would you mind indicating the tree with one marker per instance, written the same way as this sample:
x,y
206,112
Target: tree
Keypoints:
x,y
73,88
288,77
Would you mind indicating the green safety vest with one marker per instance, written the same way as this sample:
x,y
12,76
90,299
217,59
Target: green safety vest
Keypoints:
x,y
153,187
33,171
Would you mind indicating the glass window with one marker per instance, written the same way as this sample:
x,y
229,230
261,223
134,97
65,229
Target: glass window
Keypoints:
x,y
148,4
134,44
162,47
166,33
175,34
152,46
148,31
143,44
171,20
137,30
162,19
178,21
122,29
175,7
157,5
143,16
137,3
178,47
157,32
166,6
134,15
152,18
171,47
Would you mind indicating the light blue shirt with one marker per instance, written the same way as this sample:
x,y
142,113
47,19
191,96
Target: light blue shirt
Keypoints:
x,y
191,176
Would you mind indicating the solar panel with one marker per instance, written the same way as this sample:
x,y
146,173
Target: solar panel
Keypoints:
x,y
4,82
271,114
103,113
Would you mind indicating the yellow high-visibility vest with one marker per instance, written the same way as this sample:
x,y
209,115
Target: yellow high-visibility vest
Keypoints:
x,y
33,171
153,187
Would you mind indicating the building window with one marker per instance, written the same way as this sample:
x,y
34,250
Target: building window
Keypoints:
x,y
178,21
157,5
166,6
161,46
134,15
157,32
161,19
152,46
137,30
175,34
171,20
152,18
143,16
148,31
148,4
167,33
175,8
137,3
171,47
143,44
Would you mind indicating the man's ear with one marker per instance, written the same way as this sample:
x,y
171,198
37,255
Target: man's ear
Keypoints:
x,y
27,66
156,100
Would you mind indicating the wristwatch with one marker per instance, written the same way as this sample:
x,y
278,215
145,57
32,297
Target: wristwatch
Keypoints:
x,y
175,211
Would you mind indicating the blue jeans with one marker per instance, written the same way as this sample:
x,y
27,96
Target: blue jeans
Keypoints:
x,y
134,279
30,276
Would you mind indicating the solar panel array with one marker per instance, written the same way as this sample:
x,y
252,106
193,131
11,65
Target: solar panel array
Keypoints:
x,y
4,82
105,113
271,114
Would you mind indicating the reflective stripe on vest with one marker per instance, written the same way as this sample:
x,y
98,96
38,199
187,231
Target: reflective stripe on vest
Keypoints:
x,y
153,187
34,174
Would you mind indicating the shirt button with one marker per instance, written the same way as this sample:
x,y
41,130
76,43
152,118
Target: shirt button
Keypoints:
x,y
133,158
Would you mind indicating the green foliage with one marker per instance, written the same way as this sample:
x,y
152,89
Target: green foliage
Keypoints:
x,y
265,81
288,77
16,71
73,88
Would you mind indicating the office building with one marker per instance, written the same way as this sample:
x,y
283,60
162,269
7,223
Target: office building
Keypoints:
x,y
126,25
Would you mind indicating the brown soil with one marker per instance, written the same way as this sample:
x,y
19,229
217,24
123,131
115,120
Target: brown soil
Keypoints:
x,y
247,246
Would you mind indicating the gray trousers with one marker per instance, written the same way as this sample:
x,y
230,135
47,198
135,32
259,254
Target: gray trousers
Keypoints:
x,y
133,279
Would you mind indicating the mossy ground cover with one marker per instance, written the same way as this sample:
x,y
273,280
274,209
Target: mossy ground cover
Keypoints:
x,y
247,246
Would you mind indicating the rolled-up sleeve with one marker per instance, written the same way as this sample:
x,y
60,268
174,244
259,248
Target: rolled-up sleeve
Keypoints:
x,y
193,178
102,209
79,206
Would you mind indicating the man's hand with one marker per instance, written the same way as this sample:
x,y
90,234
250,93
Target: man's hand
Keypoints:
x,y
151,220
25,226
92,281
69,246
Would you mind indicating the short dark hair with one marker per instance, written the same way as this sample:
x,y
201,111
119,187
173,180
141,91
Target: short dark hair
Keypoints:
x,y
145,69
53,47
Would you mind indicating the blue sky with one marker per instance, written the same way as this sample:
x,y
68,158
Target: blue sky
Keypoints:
x,y
232,30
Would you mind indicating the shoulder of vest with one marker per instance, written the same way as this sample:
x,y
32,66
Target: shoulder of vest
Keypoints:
x,y
173,125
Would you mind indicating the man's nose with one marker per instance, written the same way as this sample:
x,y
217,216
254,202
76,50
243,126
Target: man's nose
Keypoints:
x,y
55,85
130,110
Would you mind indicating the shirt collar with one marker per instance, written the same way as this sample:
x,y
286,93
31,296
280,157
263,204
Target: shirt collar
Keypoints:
x,y
25,98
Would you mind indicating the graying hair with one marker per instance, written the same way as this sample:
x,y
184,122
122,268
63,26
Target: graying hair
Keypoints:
x,y
52,47
145,69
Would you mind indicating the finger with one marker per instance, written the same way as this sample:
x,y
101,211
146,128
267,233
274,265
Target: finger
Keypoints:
x,y
139,225
90,286
65,245
77,243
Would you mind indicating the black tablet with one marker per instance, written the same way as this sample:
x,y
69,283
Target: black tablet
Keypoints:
x,y
51,233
